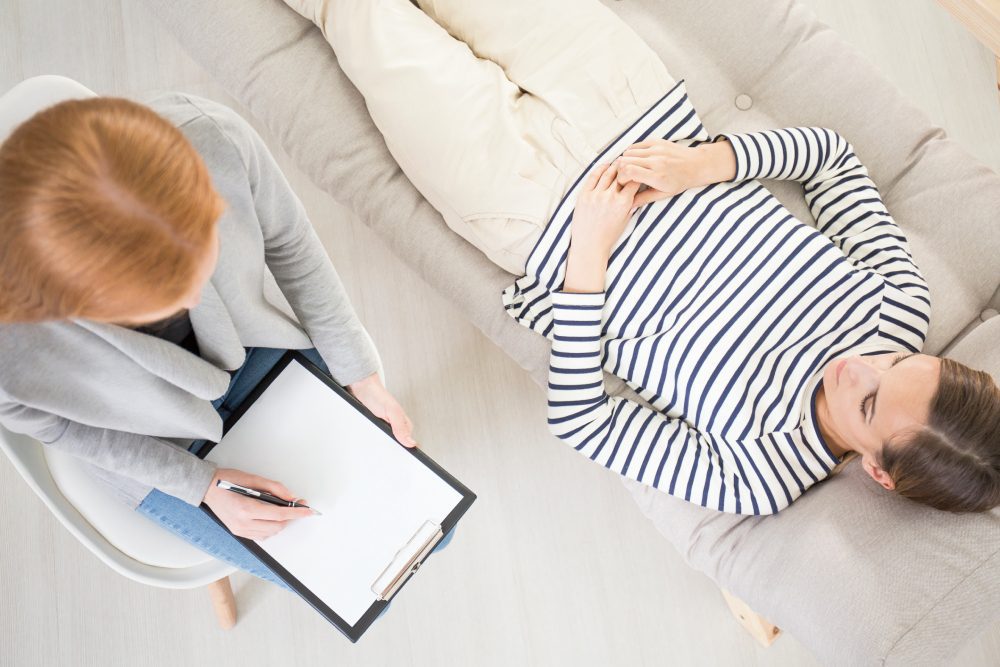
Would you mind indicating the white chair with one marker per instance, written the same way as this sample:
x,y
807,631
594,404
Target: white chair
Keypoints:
x,y
126,541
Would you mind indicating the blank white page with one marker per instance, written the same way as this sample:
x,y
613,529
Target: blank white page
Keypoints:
x,y
373,494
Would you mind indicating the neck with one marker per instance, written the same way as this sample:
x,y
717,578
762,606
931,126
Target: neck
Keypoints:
x,y
836,446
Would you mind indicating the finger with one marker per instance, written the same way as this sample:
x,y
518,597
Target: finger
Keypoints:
x,y
260,525
262,534
633,172
264,511
303,501
278,489
645,143
634,151
273,487
622,178
251,533
402,428
631,188
608,177
647,196
627,170
595,175
639,160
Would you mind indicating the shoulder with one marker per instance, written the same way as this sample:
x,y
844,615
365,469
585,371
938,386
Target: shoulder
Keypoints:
x,y
216,131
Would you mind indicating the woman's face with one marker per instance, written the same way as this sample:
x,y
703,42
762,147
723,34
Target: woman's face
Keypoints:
x,y
871,398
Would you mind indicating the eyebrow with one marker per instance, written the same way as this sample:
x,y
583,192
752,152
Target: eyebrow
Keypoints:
x,y
871,415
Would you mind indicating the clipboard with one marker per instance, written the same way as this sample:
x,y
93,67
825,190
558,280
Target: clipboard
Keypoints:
x,y
400,558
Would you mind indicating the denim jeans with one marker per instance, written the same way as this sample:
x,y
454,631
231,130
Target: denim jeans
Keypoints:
x,y
191,523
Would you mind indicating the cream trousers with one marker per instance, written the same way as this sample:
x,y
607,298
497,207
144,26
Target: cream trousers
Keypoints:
x,y
492,108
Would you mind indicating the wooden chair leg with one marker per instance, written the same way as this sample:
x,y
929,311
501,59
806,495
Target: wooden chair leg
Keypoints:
x,y
762,630
223,602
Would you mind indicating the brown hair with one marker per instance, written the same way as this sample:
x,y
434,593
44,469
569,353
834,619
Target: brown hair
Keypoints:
x,y
953,462
107,210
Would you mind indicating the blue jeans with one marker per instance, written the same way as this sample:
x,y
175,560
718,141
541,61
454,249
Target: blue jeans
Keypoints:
x,y
191,523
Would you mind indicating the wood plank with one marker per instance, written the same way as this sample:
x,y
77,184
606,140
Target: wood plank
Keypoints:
x,y
981,17
761,629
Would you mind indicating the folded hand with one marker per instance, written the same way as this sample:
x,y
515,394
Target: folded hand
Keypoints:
x,y
666,168
602,210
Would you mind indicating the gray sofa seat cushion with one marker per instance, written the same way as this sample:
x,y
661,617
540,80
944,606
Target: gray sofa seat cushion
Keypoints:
x,y
796,72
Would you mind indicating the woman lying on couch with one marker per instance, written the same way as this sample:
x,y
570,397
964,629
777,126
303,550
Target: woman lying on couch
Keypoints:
x,y
765,350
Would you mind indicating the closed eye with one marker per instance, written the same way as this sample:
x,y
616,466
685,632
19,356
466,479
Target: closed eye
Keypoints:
x,y
872,395
863,401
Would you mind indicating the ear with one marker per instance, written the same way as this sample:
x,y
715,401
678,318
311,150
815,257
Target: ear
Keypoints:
x,y
877,473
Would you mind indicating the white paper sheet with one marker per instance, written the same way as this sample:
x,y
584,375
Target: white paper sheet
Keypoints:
x,y
373,494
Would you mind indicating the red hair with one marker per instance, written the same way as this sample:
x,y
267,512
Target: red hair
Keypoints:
x,y
107,211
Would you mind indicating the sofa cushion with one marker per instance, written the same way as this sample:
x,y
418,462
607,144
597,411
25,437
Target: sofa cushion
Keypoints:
x,y
980,347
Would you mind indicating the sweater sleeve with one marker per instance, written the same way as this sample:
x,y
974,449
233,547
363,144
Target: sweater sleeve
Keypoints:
x,y
844,201
145,459
626,437
297,259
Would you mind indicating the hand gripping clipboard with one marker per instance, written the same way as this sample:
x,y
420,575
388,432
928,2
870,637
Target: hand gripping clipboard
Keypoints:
x,y
385,507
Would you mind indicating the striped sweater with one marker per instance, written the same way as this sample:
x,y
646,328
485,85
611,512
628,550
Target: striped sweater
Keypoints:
x,y
720,310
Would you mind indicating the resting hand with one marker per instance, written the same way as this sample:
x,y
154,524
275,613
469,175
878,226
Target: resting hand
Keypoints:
x,y
377,398
599,218
667,168
249,517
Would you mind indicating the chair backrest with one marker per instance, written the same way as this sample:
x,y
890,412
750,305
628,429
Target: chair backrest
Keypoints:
x,y
32,95
58,478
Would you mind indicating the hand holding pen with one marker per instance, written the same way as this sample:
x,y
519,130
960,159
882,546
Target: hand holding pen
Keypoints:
x,y
249,516
262,495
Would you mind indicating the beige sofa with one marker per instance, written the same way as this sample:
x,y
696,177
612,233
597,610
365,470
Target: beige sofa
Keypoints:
x,y
855,573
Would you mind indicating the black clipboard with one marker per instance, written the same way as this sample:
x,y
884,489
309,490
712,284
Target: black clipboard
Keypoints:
x,y
352,632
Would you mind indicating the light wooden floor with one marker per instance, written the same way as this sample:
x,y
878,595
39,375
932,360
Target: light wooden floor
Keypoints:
x,y
587,582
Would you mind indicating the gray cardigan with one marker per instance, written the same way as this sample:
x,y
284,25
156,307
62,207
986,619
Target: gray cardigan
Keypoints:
x,y
128,404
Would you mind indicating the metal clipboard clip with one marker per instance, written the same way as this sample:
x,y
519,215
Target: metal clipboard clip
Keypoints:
x,y
407,560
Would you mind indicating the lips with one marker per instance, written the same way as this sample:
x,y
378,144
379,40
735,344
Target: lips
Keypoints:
x,y
840,367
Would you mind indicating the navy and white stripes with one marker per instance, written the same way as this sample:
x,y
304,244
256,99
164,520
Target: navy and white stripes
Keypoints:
x,y
721,310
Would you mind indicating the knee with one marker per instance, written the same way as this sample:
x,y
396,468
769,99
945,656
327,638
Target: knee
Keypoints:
x,y
445,540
